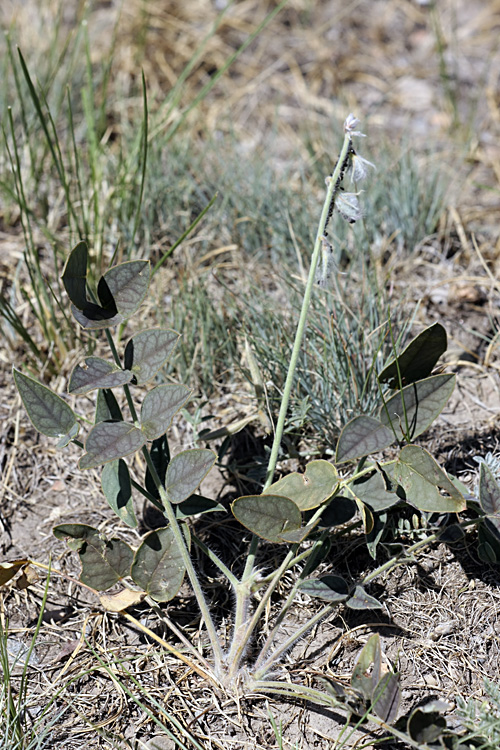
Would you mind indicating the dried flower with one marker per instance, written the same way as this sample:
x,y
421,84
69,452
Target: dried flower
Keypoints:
x,y
359,167
349,125
327,265
347,205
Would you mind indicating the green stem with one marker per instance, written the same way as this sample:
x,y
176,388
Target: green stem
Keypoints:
x,y
261,666
186,558
325,215
240,642
216,561
402,557
328,205
286,606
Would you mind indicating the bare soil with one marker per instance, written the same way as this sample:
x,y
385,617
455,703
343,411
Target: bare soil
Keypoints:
x,y
410,71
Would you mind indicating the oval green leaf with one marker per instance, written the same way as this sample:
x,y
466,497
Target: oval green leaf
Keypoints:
x,y
422,402
110,440
117,488
104,562
147,352
366,672
361,600
71,435
74,275
387,697
295,536
362,436
47,411
338,511
97,373
418,359
94,318
159,406
267,516
186,471
425,724
376,534
196,505
160,456
328,588
158,567
128,285
310,489
424,482
107,409
372,491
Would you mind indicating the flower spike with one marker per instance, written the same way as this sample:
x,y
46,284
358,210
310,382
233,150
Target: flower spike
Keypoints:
x,y
349,125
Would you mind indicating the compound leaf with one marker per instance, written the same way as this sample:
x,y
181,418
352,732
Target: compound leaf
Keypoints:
x,y
120,291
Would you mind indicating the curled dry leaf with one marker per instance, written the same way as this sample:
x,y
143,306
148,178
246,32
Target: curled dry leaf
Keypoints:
x,y
123,599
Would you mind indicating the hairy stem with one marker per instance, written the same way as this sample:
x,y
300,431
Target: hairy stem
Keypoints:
x,y
261,666
333,187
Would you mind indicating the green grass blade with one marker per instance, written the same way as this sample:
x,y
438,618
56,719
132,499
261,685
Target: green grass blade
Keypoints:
x,y
144,159
53,145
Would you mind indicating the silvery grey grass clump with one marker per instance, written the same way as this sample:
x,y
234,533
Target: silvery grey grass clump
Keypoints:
x,y
480,719
303,512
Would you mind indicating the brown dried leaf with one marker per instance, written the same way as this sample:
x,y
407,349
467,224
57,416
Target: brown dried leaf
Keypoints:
x,y
123,599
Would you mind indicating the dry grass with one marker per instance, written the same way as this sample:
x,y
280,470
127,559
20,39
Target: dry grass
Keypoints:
x,y
292,88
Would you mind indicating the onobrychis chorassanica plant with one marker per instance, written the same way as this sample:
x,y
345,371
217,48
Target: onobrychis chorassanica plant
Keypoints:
x,y
300,511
